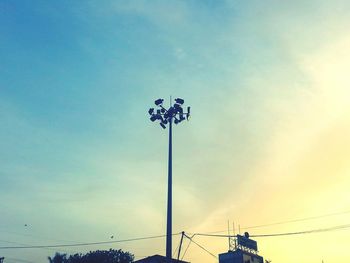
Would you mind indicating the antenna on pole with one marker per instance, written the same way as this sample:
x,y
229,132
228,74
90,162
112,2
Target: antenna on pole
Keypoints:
x,y
228,233
231,239
234,233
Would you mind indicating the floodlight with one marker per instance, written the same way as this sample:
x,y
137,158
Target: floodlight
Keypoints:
x,y
188,112
159,102
178,108
180,101
150,111
163,126
153,117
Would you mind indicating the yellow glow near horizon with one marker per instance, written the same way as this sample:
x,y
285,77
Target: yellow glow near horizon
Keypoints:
x,y
306,171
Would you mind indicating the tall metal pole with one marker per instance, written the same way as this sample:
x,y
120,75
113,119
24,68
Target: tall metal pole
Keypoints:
x,y
169,208
175,114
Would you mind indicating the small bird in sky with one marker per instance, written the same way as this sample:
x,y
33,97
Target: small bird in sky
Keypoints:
x,y
112,237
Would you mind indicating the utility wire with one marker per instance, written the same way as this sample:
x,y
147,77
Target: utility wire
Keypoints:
x,y
307,231
189,243
176,249
20,244
334,228
23,244
86,244
297,220
287,221
206,250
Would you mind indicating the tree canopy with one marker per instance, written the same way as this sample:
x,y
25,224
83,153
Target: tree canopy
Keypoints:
x,y
98,256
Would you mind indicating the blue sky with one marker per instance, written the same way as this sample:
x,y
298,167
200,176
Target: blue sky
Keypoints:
x,y
268,86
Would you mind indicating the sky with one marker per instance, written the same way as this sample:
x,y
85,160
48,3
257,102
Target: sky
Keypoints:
x,y
268,140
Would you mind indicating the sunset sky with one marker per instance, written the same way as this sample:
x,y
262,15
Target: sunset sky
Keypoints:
x,y
268,83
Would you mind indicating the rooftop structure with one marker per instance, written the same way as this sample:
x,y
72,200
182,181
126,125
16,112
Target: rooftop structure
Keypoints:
x,y
158,259
245,250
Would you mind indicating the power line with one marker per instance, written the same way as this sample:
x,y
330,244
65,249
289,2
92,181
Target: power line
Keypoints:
x,y
176,249
23,244
334,228
297,220
86,244
206,250
340,227
189,243
287,221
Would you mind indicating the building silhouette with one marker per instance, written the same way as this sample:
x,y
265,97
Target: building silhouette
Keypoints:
x,y
243,250
240,256
158,259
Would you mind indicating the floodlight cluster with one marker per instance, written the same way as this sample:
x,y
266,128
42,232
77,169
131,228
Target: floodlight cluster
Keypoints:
x,y
174,113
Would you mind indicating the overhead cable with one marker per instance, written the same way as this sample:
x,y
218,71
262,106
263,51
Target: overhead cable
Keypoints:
x,y
189,243
86,244
286,221
200,246
339,227
297,220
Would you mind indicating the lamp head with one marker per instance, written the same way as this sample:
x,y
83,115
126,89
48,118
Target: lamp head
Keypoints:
x,y
159,102
180,101
188,113
153,117
175,113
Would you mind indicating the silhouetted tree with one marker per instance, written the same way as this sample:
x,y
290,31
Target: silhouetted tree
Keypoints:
x,y
99,256
58,258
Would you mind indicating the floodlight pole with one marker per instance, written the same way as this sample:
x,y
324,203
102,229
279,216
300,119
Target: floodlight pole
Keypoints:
x,y
169,207
174,114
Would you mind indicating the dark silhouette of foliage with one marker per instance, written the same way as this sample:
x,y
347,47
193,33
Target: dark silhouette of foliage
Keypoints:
x,y
58,258
98,256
